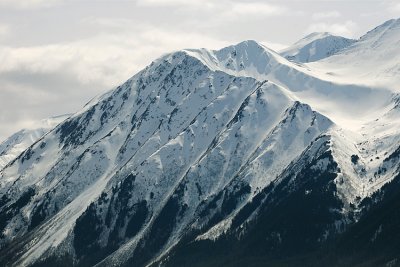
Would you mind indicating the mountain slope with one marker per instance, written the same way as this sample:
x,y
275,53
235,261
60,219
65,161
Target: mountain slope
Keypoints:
x,y
373,60
316,46
334,100
279,226
225,105
20,141
236,154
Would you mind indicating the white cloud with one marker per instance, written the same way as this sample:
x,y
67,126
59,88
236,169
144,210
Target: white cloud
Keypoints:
x,y
225,8
326,15
274,46
4,29
391,6
191,3
346,29
42,81
28,3
256,9
107,58
396,7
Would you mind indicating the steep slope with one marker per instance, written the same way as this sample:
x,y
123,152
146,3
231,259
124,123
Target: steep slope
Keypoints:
x,y
20,141
80,155
316,46
151,155
335,100
293,216
374,240
237,154
234,170
281,226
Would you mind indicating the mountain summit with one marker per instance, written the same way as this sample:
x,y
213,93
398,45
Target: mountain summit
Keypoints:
x,y
231,157
316,46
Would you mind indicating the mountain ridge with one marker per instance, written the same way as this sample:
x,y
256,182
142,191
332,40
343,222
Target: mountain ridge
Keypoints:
x,y
201,152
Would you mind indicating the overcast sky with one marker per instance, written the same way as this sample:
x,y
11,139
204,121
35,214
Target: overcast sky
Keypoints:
x,y
55,55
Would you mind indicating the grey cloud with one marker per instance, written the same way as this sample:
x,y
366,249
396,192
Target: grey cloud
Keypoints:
x,y
27,4
27,97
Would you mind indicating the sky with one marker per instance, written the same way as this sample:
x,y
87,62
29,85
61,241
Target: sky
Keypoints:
x,y
56,55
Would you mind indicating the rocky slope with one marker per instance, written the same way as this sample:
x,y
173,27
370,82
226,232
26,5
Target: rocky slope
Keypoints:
x,y
231,157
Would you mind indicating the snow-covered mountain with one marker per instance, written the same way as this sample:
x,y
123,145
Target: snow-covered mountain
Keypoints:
x,y
316,46
234,157
373,60
20,141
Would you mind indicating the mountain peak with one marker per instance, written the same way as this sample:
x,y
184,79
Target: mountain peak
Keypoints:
x,y
315,35
249,57
390,23
251,44
382,30
249,47
316,46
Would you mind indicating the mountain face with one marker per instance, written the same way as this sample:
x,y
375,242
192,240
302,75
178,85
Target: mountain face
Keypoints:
x,y
20,141
316,46
235,157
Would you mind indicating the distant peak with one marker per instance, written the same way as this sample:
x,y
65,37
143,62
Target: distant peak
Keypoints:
x,y
317,35
390,24
316,46
246,47
250,44
247,42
